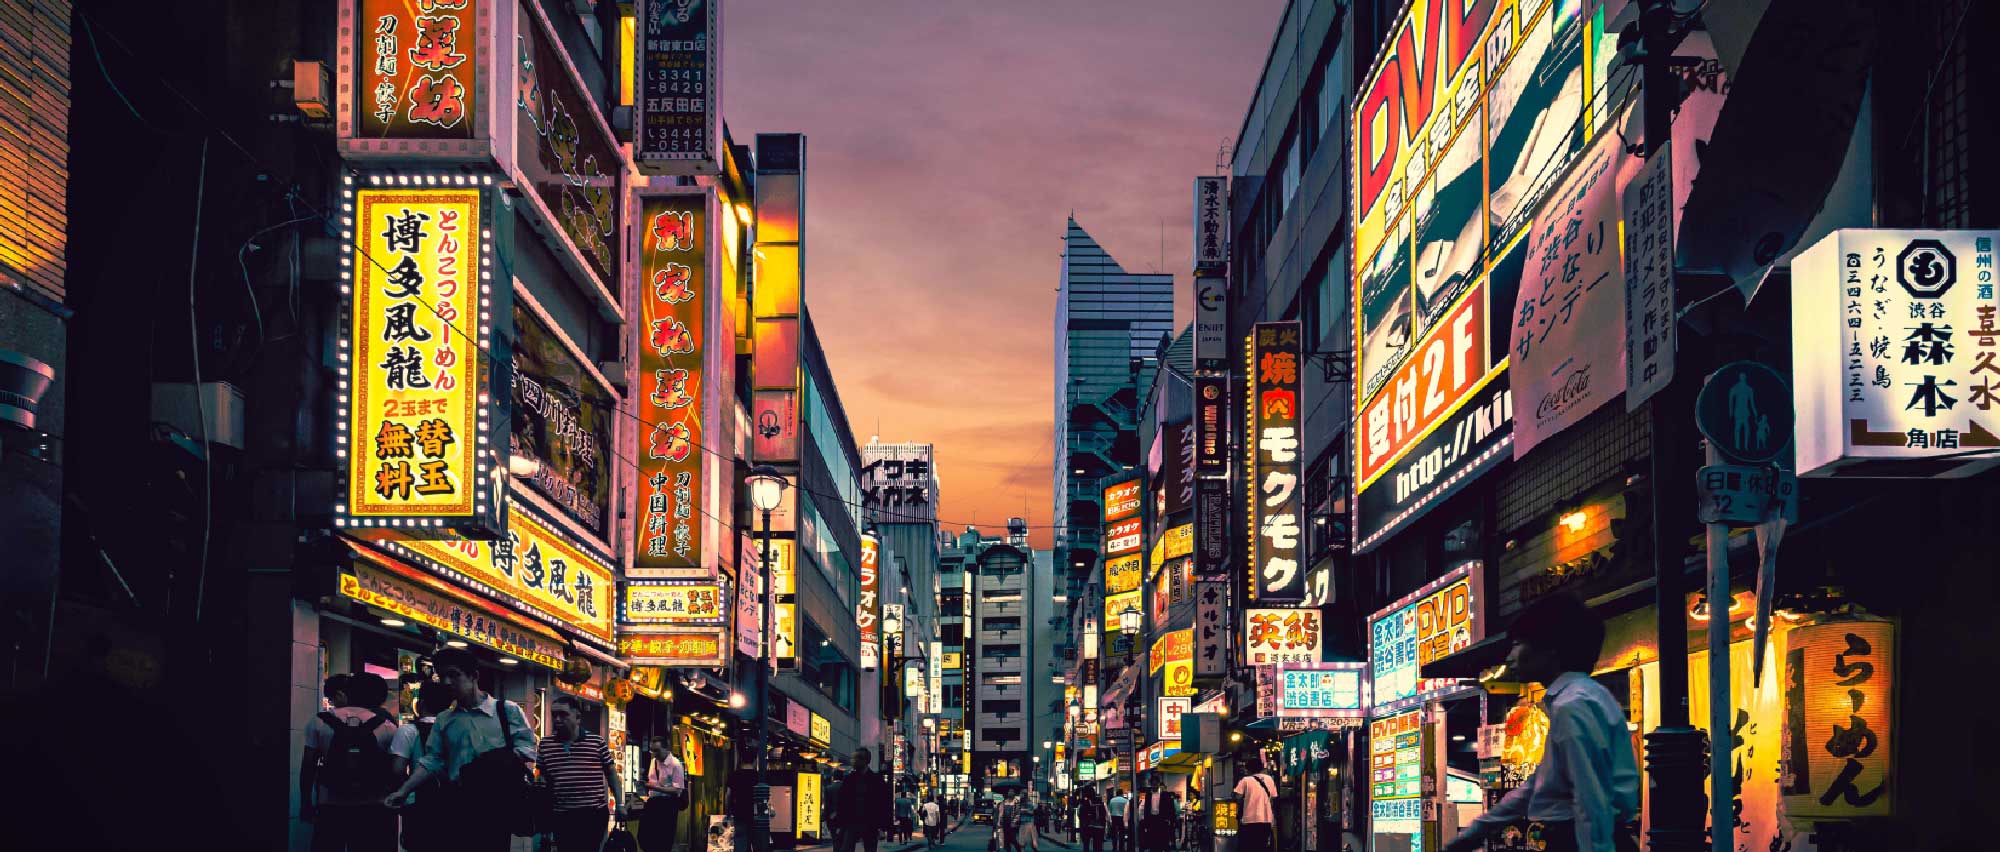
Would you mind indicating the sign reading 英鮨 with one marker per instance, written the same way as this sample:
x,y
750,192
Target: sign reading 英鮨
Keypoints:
x,y
416,323
675,126
671,394
531,565
1438,619
1271,449
672,602
1567,346
866,611
1273,636
416,68
1915,322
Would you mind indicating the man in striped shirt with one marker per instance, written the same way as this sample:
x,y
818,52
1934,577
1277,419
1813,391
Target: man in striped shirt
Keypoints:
x,y
577,766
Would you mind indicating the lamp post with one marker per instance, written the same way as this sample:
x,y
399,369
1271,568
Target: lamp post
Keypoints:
x,y
767,490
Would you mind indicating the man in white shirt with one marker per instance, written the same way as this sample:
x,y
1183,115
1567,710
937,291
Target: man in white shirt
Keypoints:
x,y
1586,789
1254,793
1121,834
666,794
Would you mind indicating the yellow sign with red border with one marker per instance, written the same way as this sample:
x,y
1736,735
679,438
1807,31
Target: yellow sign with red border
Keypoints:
x,y
415,603
532,565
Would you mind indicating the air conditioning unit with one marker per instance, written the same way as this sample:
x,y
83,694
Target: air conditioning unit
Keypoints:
x,y
211,411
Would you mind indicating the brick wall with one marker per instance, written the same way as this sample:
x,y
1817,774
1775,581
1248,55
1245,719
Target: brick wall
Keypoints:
x,y
34,143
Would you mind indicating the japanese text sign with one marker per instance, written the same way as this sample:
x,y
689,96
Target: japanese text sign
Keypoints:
x,y
822,730
1468,442
1211,223
416,69
1121,573
1651,330
676,130
867,611
750,626
671,395
1567,347
531,566
1211,536
1211,417
1121,501
564,149
1839,692
416,281
1323,690
1122,537
416,603
1439,619
808,784
1452,359
1272,421
1171,710
562,420
783,572
1211,600
670,602
1273,636
1896,352
679,649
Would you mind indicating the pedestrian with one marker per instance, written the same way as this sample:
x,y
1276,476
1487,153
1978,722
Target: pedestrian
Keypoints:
x,y
906,817
346,767
1090,818
1029,835
1254,795
1121,835
482,747
424,816
1585,792
742,791
933,816
577,766
666,795
1007,822
864,806
1158,810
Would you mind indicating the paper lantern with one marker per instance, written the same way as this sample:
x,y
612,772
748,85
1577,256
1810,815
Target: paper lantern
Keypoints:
x,y
1839,682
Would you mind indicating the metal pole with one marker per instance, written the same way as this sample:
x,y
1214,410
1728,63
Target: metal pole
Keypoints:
x,y
1721,814
1675,749
760,795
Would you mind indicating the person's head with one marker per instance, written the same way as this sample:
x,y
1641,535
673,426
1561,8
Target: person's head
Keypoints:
x,y
657,746
566,716
862,759
433,697
367,690
460,671
335,689
1554,635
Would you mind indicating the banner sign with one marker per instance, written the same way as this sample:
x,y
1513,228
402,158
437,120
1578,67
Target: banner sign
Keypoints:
x,y
783,572
1211,535
1323,690
1651,331
1211,224
1466,444
1914,317
564,149
1122,573
531,566
562,420
1122,537
1177,471
1426,390
1272,461
750,625
672,602
1273,636
678,649
1211,606
1171,710
675,129
1442,618
413,427
1121,500
866,612
416,72
1567,347
415,603
1211,417
671,393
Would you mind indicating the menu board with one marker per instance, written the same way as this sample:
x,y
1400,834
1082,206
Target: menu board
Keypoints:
x,y
1395,781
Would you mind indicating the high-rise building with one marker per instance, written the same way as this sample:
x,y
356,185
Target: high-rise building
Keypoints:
x,y
1013,706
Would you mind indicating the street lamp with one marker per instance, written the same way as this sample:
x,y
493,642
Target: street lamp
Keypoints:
x,y
1129,623
767,490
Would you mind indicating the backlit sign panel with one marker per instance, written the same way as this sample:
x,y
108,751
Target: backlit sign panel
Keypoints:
x,y
1323,690
672,602
1123,537
1272,419
1443,617
564,148
416,603
532,567
671,394
1121,573
676,130
411,76
866,612
1121,501
677,649
1273,636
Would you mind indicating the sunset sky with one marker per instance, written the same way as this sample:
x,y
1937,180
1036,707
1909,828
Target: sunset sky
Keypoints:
x,y
947,141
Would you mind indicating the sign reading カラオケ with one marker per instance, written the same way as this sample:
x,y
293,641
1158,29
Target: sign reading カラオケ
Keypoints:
x,y
417,295
866,614
1913,318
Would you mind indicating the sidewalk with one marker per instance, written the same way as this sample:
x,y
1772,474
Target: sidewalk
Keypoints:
x,y
886,846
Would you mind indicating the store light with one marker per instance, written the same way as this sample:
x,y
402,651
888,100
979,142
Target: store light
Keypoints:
x,y
455,643
509,661
1235,736
393,622
523,466
737,700
1574,521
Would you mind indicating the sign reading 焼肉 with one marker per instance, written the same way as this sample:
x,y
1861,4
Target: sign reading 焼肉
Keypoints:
x,y
417,321
675,128
671,393
1438,619
1272,425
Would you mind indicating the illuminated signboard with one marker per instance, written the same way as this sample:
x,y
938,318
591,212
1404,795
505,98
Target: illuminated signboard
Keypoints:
x,y
676,130
954,660
809,791
562,420
1121,501
750,625
1122,537
1273,636
1271,449
1177,542
672,394
1211,223
671,602
415,281
865,611
1114,640
783,571
532,567
1121,573
704,648
1173,654
1323,690
1211,417
564,148
1171,710
1439,619
416,603
1469,441
1395,773
822,730
416,71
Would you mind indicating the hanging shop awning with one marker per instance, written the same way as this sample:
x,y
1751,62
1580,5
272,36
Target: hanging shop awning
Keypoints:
x,y
386,583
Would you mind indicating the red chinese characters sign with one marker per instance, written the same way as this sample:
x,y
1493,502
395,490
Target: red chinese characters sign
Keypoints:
x,y
415,67
412,386
1272,418
673,305
672,649
1273,636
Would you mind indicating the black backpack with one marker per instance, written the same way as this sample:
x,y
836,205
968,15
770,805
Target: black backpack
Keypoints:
x,y
355,763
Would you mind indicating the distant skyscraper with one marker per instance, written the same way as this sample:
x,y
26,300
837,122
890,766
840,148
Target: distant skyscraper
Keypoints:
x,y
1108,328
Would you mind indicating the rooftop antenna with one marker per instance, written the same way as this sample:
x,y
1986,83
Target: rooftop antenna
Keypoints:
x,y
1222,157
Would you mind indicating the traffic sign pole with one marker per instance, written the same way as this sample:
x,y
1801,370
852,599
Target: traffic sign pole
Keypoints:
x,y
1721,815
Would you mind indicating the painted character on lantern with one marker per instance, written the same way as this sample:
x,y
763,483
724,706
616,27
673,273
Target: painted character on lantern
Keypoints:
x,y
671,337
670,389
670,441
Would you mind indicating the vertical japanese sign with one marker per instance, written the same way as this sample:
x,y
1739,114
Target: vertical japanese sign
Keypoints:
x,y
1916,325
1567,348
783,572
1211,417
1395,777
1211,607
1211,529
1651,332
1211,223
1177,469
865,612
750,627
671,337
416,70
1439,619
416,282
564,150
562,420
1271,421
1837,746
675,126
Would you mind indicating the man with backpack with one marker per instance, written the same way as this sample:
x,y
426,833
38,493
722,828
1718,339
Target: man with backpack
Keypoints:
x,y
482,747
346,767
1090,818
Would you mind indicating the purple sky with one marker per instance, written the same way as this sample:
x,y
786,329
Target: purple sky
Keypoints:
x,y
947,141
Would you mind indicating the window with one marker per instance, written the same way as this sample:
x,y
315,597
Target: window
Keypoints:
x,y
1004,680
954,696
1290,178
1000,706
998,652
1008,623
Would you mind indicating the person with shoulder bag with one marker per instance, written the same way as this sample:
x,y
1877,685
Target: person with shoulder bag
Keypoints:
x,y
483,748
1255,794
